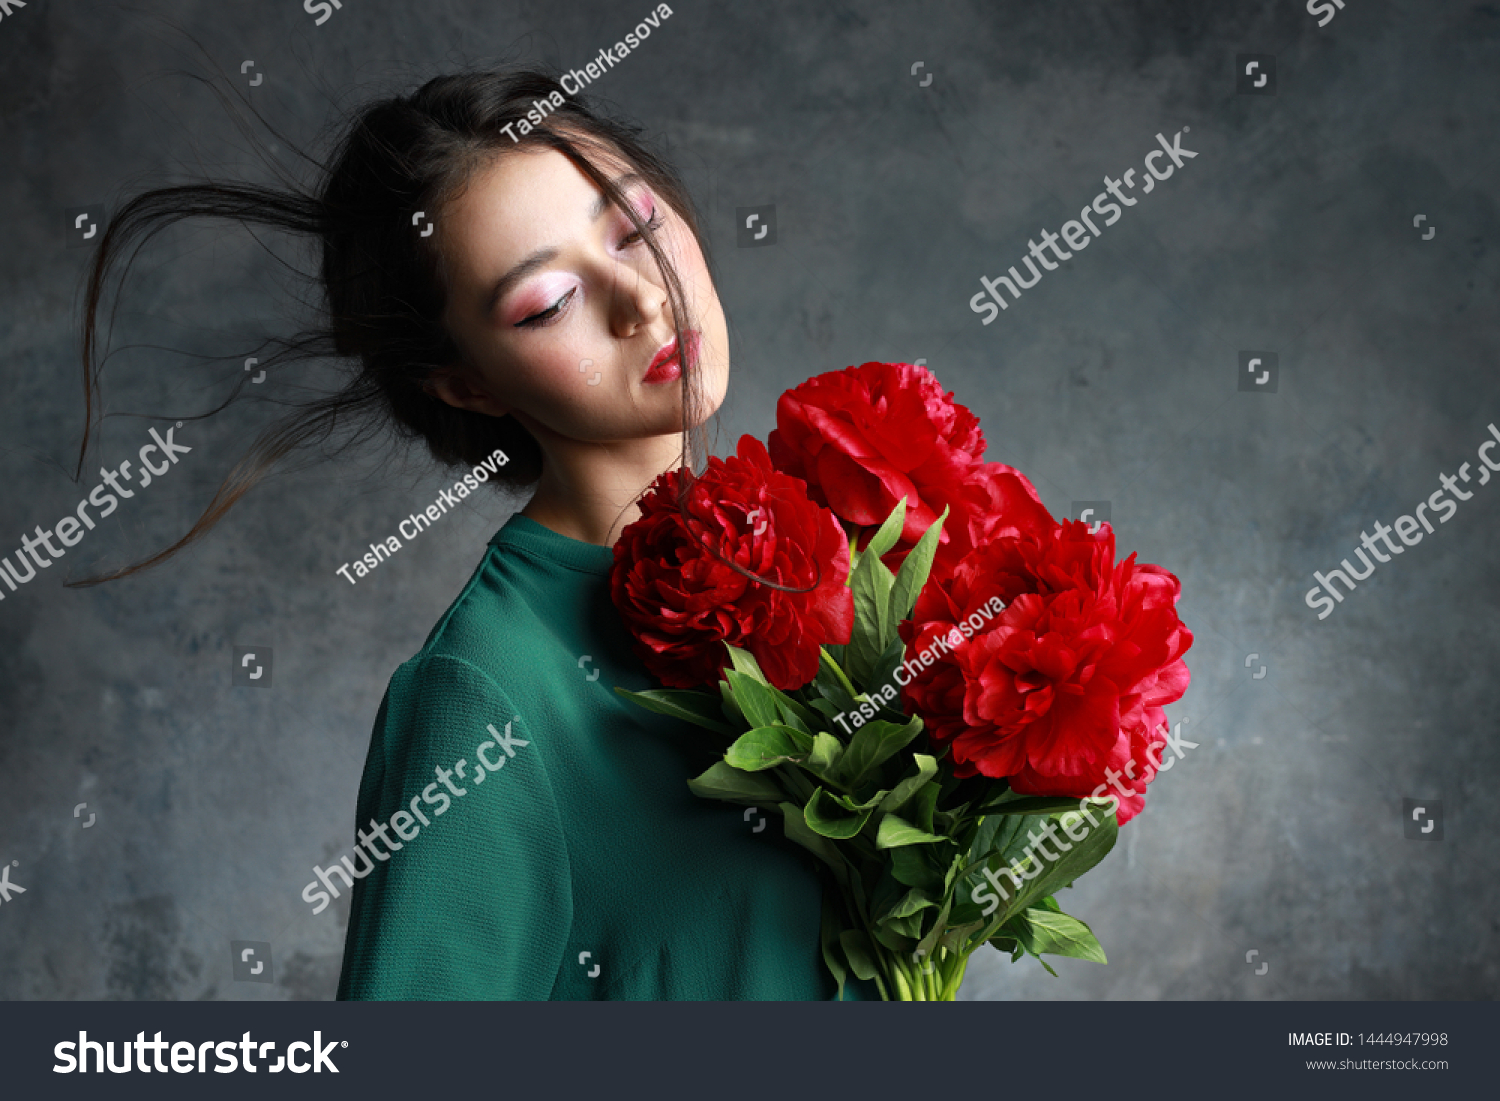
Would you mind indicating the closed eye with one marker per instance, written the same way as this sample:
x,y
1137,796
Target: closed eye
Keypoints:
x,y
655,222
549,314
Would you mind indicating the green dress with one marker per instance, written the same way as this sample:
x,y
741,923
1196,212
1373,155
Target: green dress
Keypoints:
x,y
532,833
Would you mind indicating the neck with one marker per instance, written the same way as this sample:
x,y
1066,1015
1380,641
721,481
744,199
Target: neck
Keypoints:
x,y
588,491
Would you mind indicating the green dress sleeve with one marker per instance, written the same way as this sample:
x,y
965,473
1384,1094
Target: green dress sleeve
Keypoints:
x,y
472,899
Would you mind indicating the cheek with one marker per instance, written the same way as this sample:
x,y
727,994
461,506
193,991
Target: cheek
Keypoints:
x,y
684,252
569,375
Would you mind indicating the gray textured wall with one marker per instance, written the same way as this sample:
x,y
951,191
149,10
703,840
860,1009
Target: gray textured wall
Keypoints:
x,y
1114,379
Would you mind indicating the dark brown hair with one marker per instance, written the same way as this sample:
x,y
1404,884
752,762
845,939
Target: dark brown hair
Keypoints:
x,y
383,282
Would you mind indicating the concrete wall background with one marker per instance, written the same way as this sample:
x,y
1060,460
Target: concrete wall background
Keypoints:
x,y
1113,379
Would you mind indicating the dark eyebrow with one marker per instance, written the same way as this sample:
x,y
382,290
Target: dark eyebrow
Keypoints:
x,y
544,256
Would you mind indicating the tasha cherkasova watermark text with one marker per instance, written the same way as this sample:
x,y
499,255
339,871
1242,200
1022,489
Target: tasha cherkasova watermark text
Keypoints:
x,y
405,824
420,521
582,78
912,666
1407,529
70,531
1073,233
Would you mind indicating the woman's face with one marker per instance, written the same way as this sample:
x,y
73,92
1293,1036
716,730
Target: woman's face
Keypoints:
x,y
560,311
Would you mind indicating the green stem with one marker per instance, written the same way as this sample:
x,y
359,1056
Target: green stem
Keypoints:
x,y
903,988
839,673
917,971
950,991
937,981
918,982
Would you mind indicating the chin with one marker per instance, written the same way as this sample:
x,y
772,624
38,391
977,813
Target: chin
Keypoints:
x,y
706,413
713,388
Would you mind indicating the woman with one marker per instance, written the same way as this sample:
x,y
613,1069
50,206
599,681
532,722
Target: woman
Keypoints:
x,y
524,831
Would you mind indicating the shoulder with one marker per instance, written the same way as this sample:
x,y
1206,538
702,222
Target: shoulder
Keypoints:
x,y
505,613
440,699
490,596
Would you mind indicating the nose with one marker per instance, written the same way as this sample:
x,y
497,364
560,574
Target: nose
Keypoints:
x,y
637,298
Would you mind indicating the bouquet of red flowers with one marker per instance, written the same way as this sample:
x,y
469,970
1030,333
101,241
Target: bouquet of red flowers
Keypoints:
x,y
954,698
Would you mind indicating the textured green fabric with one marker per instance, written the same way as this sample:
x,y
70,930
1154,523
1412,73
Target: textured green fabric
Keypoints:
x,y
585,839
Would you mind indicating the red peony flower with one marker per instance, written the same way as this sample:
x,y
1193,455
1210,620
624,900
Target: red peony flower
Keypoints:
x,y
681,602
867,436
864,437
994,502
1068,681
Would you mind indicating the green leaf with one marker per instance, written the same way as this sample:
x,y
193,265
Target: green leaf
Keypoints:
x,y
918,866
827,708
926,769
1072,863
802,740
731,707
828,937
888,535
954,866
969,791
914,570
984,837
691,706
873,628
797,830
871,583
885,892
824,815
859,952
1008,944
756,700
824,758
883,674
908,926
920,809
914,901
889,938
722,781
1002,840
796,715
871,746
1029,804
895,831
830,684
1057,933
848,803
763,747
928,944
745,664
955,937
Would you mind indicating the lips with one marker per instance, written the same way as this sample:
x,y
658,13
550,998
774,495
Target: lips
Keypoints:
x,y
666,365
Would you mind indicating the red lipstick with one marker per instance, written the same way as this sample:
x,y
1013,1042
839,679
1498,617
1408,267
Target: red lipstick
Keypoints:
x,y
666,365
